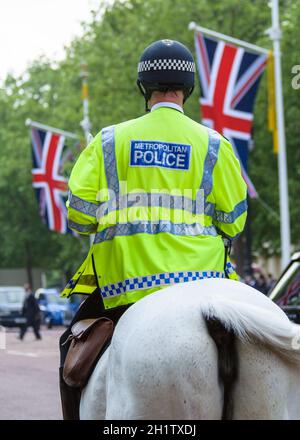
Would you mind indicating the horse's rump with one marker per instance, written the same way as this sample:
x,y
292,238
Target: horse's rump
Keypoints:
x,y
163,363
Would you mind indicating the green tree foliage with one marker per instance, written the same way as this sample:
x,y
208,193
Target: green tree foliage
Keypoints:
x,y
112,43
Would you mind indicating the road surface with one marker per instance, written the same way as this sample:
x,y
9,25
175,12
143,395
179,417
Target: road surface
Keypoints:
x,y
29,376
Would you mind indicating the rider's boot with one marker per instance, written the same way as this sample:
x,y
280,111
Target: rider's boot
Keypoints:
x,y
70,399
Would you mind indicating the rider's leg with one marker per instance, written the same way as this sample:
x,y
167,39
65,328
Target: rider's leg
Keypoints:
x,y
92,307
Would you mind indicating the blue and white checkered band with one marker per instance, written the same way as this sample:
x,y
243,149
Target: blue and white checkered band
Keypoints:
x,y
229,268
166,64
159,279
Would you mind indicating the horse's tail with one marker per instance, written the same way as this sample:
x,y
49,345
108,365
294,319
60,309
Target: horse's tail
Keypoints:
x,y
227,362
228,319
257,325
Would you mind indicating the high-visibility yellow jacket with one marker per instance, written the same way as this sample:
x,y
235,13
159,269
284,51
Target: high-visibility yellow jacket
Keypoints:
x,y
157,192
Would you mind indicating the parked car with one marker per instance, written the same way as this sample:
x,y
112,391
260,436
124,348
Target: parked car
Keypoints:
x,y
11,306
286,292
52,306
73,304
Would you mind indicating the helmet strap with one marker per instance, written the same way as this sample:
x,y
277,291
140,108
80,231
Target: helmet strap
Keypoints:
x,y
146,94
187,93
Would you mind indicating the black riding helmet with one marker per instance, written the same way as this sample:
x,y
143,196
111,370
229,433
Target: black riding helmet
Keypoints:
x,y
166,65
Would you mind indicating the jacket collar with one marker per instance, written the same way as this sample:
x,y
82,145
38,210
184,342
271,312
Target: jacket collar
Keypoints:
x,y
167,104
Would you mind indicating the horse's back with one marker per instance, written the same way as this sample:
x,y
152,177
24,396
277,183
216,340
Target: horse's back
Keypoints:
x,y
161,362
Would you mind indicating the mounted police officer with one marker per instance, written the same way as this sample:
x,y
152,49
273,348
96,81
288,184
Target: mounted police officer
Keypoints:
x,y
159,192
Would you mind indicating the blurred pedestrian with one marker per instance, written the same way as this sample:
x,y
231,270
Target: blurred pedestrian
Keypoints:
x,y
271,281
262,285
31,312
251,281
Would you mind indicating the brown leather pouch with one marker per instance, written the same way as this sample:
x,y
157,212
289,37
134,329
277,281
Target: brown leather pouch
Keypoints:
x,y
88,338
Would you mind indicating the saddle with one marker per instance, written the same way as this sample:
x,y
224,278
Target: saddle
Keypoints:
x,y
88,340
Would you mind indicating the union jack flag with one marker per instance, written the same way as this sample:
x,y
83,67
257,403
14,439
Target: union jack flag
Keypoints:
x,y
229,78
50,186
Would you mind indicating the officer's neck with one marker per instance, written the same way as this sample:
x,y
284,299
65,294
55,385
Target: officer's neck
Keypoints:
x,y
175,97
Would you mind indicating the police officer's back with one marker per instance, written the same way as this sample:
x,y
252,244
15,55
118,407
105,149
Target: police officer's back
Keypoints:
x,y
158,191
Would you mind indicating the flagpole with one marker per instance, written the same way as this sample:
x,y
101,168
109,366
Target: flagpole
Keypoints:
x,y
85,123
30,123
252,47
275,35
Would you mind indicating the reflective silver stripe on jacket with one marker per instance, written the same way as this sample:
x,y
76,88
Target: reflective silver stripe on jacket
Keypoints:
x,y
210,161
82,228
109,155
230,217
162,200
83,206
147,227
214,141
211,158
